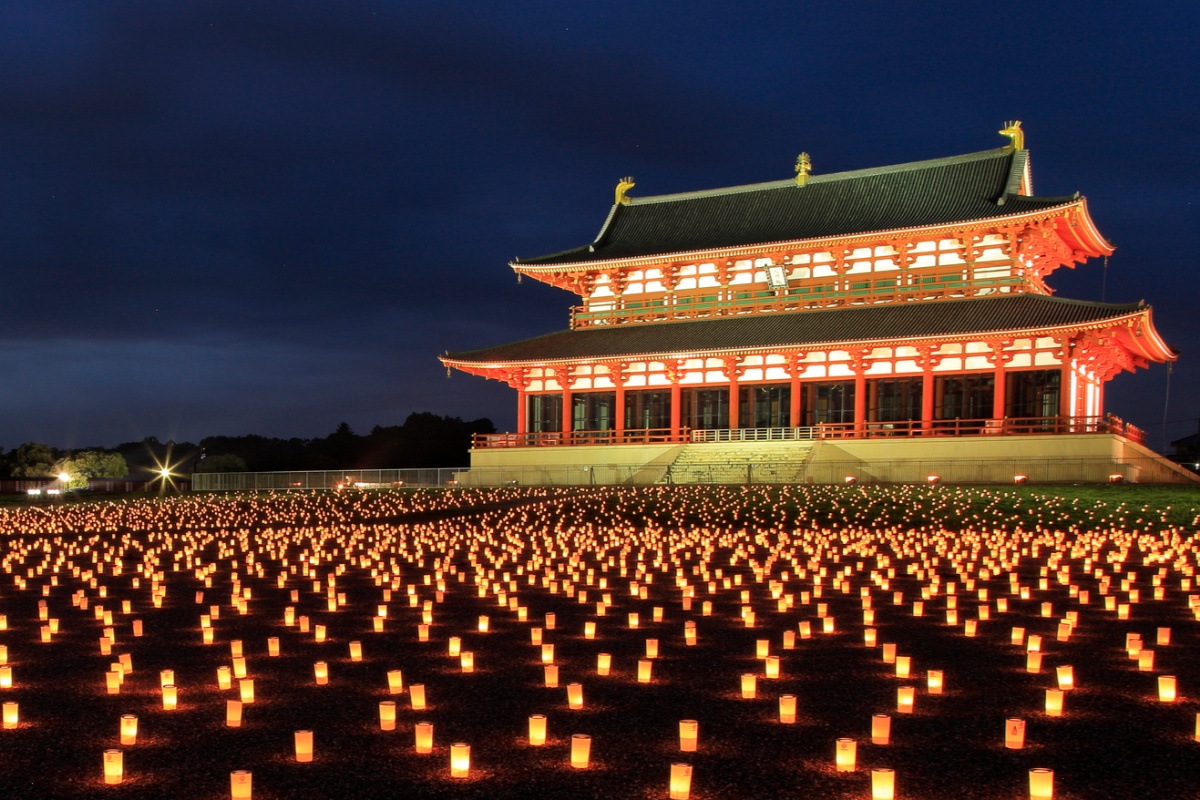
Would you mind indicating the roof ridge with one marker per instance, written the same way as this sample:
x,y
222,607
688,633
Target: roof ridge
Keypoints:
x,y
825,178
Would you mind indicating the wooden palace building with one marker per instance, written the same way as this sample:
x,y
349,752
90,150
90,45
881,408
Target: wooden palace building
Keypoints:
x,y
885,322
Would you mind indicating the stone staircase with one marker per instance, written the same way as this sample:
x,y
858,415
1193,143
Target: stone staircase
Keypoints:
x,y
741,462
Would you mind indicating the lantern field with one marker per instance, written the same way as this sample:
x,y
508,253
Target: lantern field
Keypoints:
x,y
456,643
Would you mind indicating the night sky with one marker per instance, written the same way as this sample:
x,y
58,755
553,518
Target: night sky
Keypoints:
x,y
269,217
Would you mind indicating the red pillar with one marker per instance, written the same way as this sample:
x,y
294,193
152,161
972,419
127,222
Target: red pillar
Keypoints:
x,y
794,398
522,413
998,392
860,399
619,411
568,418
676,433
733,403
927,398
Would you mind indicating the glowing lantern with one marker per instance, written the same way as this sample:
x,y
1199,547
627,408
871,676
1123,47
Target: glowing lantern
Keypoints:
x,y
535,636
239,667
208,635
903,665
356,651
652,648
387,715
550,620
416,696
551,673
1146,661
1054,702
772,667
424,735
905,697
319,633
112,680
681,781
589,630
633,619
1166,688
749,686
828,623
484,624
645,668
304,746
581,750
170,697
241,784
689,732
889,653
935,681
603,663
1033,661
321,669
869,635
1066,677
575,695
1041,784
460,760
246,690
12,716
395,681
423,632
548,653
129,727
233,713
1014,734
224,680
881,729
273,646
1164,637
883,784
787,709
114,767
537,730
455,646
845,755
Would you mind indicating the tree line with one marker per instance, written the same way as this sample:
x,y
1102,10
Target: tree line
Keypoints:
x,y
423,440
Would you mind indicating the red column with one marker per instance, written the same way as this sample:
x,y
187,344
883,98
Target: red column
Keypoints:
x,y
998,392
927,398
522,413
794,399
733,403
567,417
618,379
675,408
860,399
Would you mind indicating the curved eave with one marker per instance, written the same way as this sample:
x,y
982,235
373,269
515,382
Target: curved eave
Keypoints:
x,y
1079,231
1088,234
1134,331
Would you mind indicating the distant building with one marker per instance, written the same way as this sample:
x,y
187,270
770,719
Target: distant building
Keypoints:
x,y
907,302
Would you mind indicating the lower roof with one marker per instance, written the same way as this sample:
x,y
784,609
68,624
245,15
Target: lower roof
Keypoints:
x,y
878,323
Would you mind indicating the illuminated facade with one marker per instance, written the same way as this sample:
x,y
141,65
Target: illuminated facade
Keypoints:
x,y
902,301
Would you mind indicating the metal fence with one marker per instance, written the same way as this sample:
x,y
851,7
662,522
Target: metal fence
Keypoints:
x,y
961,471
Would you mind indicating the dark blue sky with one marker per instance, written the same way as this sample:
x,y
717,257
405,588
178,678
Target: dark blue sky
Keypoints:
x,y
269,217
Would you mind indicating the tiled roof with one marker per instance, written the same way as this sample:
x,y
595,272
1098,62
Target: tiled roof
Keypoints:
x,y
924,193
893,322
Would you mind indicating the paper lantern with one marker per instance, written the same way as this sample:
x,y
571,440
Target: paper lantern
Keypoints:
x,y
905,697
239,667
869,635
424,736
1146,661
881,729
652,648
319,633
935,681
416,696
883,784
537,730
772,667
224,678
787,709
356,651
1166,688
1066,677
889,653
589,630
1054,702
207,634
603,663
845,755
535,636
1014,734
575,695
903,665
170,697
114,767
246,690
387,715
1041,784
634,620
484,624
550,620
681,781
423,632
689,635
689,732
129,729
321,669
455,646
749,686
581,750
304,746
460,760
273,646
551,676
1163,638
548,653
12,717
233,713
1033,661
645,668
112,681
241,784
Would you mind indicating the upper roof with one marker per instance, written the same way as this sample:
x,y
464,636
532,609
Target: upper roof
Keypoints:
x,y
964,188
1019,313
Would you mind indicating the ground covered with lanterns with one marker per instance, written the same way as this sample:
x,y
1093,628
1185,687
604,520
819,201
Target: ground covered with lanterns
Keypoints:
x,y
775,623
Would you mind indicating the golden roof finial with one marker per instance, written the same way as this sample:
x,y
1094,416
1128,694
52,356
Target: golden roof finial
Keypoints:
x,y
803,167
1013,131
623,187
